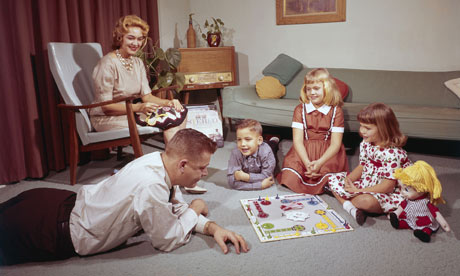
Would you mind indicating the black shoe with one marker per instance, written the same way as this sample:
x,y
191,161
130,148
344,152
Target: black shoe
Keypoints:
x,y
360,216
394,220
424,237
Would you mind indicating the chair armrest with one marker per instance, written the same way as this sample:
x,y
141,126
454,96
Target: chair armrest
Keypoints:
x,y
122,99
76,107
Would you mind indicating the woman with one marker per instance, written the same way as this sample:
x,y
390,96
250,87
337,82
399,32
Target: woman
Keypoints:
x,y
120,74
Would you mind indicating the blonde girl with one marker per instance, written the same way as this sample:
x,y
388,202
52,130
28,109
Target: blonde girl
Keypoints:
x,y
317,130
371,186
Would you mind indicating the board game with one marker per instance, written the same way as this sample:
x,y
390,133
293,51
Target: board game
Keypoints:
x,y
292,216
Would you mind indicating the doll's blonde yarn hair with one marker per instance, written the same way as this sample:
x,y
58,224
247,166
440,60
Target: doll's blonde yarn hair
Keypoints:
x,y
422,177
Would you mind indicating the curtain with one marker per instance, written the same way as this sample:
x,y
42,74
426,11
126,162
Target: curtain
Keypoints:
x,y
33,133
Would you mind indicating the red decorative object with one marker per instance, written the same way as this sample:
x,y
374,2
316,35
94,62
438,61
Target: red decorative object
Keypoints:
x,y
213,39
343,87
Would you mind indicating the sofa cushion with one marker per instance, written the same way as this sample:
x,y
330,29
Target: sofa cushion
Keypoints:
x,y
270,88
283,67
293,88
454,86
343,87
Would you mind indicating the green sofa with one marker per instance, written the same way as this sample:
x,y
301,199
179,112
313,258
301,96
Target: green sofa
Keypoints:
x,y
424,106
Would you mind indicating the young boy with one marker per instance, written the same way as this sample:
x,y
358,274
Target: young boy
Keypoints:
x,y
252,163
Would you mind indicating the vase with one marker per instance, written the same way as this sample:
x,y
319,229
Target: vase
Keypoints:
x,y
191,36
213,39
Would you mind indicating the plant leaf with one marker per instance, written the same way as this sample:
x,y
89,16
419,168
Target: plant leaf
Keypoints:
x,y
180,80
173,56
165,80
159,53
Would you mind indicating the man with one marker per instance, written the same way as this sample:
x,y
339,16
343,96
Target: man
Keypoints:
x,y
47,224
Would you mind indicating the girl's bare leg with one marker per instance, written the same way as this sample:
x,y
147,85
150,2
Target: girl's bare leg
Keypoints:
x,y
367,203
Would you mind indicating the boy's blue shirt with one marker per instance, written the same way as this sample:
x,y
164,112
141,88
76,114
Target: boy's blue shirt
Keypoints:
x,y
259,166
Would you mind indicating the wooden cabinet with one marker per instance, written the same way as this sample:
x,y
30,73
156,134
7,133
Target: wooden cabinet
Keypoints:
x,y
207,68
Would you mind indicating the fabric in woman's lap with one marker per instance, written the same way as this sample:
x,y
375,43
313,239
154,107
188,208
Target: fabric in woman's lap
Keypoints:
x,y
106,123
164,119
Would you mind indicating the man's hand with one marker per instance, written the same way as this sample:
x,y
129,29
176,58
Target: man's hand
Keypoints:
x,y
222,235
199,206
267,182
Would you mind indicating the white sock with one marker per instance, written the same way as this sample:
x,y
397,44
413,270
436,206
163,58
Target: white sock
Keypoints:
x,y
350,208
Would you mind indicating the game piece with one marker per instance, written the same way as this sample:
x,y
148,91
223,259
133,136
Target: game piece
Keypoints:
x,y
292,216
265,202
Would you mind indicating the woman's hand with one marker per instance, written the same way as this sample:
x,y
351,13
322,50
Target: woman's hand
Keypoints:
x,y
146,108
176,104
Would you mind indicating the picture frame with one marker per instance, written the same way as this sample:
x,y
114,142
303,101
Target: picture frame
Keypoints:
x,y
309,11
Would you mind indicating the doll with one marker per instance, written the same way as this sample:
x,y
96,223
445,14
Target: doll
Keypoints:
x,y
421,190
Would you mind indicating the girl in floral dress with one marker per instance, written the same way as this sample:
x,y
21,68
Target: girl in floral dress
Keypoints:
x,y
371,186
317,130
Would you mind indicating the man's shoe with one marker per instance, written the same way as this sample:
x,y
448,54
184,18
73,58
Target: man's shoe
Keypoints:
x,y
196,190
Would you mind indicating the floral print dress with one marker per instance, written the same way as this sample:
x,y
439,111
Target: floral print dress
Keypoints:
x,y
378,164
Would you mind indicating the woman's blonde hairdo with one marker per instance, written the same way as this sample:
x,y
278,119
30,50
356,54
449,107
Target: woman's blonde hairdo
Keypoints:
x,y
383,117
121,28
332,94
422,177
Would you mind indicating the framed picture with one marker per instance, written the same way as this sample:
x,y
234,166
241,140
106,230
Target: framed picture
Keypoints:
x,y
309,11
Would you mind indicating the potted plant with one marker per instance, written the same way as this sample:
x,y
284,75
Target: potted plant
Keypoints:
x,y
213,33
162,66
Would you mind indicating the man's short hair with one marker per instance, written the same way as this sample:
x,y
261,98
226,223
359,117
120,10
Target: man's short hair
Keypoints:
x,y
253,125
190,143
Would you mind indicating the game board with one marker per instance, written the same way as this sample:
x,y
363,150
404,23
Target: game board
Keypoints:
x,y
292,216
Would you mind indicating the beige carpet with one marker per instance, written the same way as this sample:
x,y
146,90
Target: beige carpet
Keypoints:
x,y
373,249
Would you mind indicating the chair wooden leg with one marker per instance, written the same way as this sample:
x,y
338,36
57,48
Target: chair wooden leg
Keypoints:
x,y
73,165
134,134
74,151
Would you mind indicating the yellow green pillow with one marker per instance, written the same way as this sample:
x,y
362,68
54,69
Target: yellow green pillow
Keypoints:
x,y
270,88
